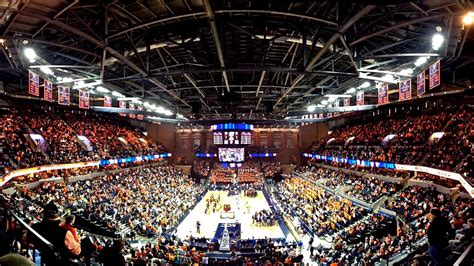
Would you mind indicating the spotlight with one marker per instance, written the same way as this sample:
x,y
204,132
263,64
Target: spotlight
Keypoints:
x,y
365,85
311,108
102,89
467,19
351,90
46,70
437,41
30,54
324,102
421,60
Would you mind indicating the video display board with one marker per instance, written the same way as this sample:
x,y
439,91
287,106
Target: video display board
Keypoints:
x,y
231,155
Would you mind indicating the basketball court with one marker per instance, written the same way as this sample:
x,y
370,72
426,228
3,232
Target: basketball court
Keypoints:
x,y
241,210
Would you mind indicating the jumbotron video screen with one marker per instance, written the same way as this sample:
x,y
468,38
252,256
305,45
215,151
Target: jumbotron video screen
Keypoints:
x,y
231,155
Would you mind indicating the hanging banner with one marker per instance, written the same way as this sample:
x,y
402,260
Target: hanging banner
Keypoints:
x,y
383,94
107,101
33,85
336,104
321,115
63,96
140,116
347,102
47,90
83,99
329,115
360,98
131,106
404,90
420,83
435,75
123,105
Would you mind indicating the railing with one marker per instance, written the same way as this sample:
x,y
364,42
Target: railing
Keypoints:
x,y
47,250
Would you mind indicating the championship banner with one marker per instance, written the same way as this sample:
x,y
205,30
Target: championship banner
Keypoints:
x,y
329,115
360,98
383,94
83,99
48,90
123,105
131,106
33,85
107,101
336,104
435,75
347,102
321,115
404,90
63,96
140,116
420,83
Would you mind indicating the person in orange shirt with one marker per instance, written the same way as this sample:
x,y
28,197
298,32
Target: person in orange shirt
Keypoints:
x,y
68,225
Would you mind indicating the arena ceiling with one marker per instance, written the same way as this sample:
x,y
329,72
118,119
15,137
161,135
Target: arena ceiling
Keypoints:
x,y
247,58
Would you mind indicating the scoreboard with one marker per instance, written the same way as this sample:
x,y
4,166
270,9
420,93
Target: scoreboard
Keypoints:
x,y
231,139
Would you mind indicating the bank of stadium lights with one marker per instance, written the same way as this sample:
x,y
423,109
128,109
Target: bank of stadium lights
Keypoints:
x,y
46,70
437,41
468,18
102,89
407,71
365,85
351,90
30,54
117,94
421,60
311,108
324,102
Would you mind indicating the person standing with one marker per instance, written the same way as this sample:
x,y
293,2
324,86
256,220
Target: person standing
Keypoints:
x,y
198,227
438,233
61,238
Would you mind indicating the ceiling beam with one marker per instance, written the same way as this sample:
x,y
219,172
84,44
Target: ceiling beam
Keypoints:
x,y
101,44
401,25
217,40
321,52
56,16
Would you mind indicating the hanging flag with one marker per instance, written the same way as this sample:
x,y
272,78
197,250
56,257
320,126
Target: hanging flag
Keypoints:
x,y
383,94
47,90
83,99
107,101
420,83
360,98
33,85
123,105
140,116
63,96
435,75
347,102
131,106
404,90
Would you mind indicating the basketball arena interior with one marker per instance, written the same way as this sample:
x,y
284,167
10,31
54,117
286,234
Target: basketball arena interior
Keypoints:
x,y
236,132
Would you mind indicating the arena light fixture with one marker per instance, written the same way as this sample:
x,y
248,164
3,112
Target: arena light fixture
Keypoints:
x,y
46,70
437,41
324,102
117,94
351,90
421,60
468,18
388,78
30,54
311,108
406,71
137,101
365,85
102,89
